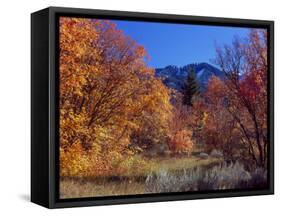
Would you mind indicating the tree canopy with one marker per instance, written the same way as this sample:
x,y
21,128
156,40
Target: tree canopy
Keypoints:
x,y
107,93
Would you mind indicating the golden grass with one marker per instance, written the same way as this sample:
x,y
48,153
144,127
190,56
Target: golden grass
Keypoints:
x,y
92,187
76,188
176,163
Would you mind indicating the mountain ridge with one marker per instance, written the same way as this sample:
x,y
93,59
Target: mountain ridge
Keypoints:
x,y
174,77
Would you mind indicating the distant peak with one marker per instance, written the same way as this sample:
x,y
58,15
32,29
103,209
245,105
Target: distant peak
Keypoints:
x,y
174,76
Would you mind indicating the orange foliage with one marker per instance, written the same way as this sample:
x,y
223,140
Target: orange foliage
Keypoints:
x,y
181,142
106,93
219,131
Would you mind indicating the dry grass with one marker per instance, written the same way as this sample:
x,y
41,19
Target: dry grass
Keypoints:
x,y
177,163
129,183
71,188
218,177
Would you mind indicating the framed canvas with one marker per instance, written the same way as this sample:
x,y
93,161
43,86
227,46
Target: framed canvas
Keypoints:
x,y
138,107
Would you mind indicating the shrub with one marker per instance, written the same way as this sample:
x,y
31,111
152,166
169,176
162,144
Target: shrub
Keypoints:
x,y
259,178
74,161
181,141
165,181
132,165
223,176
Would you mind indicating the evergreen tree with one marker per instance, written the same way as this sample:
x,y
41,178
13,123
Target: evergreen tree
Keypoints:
x,y
191,87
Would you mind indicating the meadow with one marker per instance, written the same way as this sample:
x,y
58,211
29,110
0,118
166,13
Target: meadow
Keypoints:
x,y
167,175
131,182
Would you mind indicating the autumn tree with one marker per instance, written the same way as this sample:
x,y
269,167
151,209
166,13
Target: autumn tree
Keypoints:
x,y
220,131
106,93
245,66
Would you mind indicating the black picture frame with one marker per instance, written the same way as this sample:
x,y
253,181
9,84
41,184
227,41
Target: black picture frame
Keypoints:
x,y
44,106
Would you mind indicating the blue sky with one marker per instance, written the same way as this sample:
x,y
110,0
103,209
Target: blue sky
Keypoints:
x,y
179,44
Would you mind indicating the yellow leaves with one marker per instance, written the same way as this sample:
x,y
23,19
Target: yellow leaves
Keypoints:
x,y
107,93
132,165
203,120
182,142
73,161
